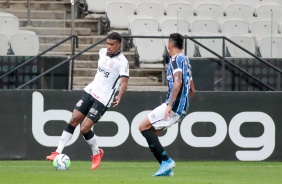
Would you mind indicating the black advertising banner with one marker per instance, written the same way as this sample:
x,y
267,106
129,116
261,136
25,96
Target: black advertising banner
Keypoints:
x,y
244,126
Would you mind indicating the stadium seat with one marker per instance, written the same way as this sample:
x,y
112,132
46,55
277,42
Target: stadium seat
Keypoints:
x,y
256,2
203,25
118,12
24,43
269,10
171,24
189,46
97,8
209,8
153,8
244,40
212,43
8,22
179,8
150,51
143,24
233,25
239,9
4,44
269,46
263,26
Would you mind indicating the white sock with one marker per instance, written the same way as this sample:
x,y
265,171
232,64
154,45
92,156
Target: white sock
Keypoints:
x,y
93,144
66,136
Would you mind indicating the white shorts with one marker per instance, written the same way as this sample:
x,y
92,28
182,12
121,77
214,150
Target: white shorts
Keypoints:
x,y
156,118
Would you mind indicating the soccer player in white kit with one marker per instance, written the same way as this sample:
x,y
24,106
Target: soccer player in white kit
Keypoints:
x,y
174,109
98,96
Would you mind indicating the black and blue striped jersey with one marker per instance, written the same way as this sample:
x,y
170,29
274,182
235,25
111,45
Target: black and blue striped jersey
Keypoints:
x,y
179,63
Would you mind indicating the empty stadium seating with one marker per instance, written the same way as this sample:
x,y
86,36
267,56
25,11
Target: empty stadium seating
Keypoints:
x,y
153,8
97,8
118,12
4,44
233,25
209,8
269,46
150,51
24,43
8,22
171,24
239,9
245,40
179,8
213,44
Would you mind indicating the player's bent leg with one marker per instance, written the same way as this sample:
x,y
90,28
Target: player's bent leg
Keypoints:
x,y
96,159
52,156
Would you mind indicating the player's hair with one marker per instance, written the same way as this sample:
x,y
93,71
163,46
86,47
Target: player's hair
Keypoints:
x,y
177,40
115,36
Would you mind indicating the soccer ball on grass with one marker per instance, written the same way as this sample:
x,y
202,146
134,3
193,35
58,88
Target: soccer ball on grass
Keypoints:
x,y
61,162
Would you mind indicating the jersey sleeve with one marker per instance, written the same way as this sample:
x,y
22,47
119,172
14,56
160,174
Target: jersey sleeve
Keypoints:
x,y
124,69
177,64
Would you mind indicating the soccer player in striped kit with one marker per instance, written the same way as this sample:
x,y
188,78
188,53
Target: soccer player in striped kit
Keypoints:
x,y
180,90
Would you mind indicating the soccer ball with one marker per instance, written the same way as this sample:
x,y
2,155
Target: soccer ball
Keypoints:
x,y
61,162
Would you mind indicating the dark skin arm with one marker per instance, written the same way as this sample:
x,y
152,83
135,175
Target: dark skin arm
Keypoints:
x,y
123,87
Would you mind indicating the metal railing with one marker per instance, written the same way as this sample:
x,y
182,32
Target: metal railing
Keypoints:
x,y
223,57
63,62
74,45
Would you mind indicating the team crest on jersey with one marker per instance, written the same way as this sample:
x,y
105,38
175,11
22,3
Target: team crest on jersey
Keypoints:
x,y
111,64
78,104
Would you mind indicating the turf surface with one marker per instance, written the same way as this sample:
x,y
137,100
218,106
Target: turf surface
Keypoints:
x,y
140,172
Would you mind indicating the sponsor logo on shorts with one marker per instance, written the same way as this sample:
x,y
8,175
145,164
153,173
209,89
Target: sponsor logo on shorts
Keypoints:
x,y
78,104
93,112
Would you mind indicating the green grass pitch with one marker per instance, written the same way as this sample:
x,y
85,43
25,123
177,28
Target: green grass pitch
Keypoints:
x,y
213,172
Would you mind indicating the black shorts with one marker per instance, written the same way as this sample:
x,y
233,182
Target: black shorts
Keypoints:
x,y
90,107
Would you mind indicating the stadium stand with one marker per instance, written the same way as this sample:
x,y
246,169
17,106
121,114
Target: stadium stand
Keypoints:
x,y
229,25
239,9
212,43
179,8
263,26
269,10
170,24
203,25
209,8
4,44
8,22
118,12
269,46
153,8
24,43
142,23
245,40
51,22
96,8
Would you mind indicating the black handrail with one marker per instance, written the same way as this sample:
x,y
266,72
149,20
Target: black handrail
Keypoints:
x,y
235,66
40,54
73,37
61,63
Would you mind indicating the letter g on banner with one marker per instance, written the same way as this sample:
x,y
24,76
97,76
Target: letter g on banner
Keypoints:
x,y
265,143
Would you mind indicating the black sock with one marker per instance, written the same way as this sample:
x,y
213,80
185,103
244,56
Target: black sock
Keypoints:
x,y
155,145
88,135
70,129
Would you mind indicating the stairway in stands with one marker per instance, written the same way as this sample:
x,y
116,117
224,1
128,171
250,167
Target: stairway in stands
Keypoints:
x,y
51,21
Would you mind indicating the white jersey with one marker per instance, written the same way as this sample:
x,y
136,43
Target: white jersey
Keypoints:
x,y
107,78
